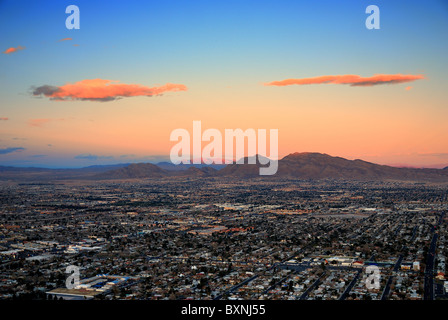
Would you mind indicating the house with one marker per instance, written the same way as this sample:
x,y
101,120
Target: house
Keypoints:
x,y
358,264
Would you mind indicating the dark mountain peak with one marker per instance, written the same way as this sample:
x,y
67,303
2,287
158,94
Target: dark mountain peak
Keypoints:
x,y
308,156
256,158
313,158
302,154
246,168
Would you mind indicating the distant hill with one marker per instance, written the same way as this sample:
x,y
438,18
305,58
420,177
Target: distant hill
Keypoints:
x,y
32,174
107,166
104,172
148,170
196,172
177,167
132,171
20,169
306,165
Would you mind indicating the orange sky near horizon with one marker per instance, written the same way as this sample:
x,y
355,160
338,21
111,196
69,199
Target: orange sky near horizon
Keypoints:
x,y
386,124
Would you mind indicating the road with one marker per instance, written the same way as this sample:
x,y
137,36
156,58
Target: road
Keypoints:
x,y
386,290
307,291
429,270
235,287
353,282
350,286
279,282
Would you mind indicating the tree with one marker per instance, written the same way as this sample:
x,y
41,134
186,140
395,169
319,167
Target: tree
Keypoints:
x,y
322,266
290,285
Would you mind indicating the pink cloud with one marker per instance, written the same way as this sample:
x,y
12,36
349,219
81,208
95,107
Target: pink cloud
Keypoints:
x,y
11,50
4,118
102,90
352,80
66,39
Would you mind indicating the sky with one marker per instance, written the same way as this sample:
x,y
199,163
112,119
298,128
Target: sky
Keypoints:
x,y
113,90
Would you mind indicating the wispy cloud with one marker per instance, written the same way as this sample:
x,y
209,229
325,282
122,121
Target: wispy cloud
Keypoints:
x,y
12,49
42,122
127,156
88,156
352,80
65,39
102,90
38,122
440,155
4,118
10,150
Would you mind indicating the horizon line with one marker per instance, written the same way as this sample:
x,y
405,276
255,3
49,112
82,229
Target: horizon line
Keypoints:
x,y
406,166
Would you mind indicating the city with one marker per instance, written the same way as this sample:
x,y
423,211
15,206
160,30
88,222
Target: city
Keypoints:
x,y
184,238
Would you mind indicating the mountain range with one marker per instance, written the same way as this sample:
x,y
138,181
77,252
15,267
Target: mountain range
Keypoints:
x,y
308,165
305,165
